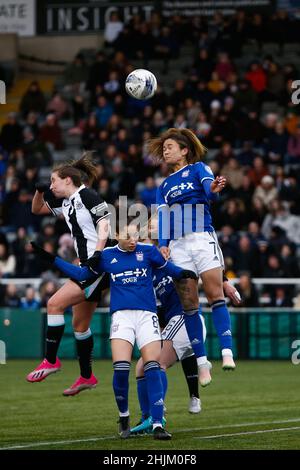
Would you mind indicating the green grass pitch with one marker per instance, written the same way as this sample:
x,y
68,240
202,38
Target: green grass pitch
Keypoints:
x,y
255,407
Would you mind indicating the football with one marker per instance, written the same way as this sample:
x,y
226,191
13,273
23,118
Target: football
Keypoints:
x,y
141,84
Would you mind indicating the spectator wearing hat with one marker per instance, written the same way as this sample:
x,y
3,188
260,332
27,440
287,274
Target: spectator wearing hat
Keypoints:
x,y
266,191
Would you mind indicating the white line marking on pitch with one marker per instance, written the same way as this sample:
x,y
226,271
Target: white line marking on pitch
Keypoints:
x,y
73,441
240,425
247,433
207,428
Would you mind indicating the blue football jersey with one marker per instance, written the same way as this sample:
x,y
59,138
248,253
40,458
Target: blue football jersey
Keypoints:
x,y
187,193
131,274
166,294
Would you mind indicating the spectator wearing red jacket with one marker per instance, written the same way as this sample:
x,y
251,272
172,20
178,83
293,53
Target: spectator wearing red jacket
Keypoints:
x,y
257,77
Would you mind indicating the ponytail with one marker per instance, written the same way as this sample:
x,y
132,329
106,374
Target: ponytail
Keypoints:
x,y
78,170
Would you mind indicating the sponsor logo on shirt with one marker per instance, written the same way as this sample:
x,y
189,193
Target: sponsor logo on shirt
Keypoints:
x,y
130,275
178,188
164,282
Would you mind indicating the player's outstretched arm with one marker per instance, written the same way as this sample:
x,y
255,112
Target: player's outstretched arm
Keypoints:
x,y
77,273
70,270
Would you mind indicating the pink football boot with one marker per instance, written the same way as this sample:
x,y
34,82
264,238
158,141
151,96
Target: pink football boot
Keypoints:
x,y
79,385
43,370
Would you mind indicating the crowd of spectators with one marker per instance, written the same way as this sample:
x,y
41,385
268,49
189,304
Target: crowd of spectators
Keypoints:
x,y
258,150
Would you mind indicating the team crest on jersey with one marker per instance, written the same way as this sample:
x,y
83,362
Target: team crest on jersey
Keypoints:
x,y
139,256
115,328
185,174
78,205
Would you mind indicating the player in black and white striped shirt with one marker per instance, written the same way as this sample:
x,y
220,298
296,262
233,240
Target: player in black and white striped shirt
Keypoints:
x,y
87,216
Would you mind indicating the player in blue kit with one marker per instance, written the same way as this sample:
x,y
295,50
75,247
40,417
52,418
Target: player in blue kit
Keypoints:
x,y
187,236
134,318
176,343
176,346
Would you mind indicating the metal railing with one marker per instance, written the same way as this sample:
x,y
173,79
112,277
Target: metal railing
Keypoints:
x,y
258,333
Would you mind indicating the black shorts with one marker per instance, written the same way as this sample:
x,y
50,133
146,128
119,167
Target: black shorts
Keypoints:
x,y
93,287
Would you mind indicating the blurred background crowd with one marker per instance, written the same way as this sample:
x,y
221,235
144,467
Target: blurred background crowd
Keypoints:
x,y
229,79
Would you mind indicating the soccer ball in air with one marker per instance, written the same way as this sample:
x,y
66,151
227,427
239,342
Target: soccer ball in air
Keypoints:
x,y
141,84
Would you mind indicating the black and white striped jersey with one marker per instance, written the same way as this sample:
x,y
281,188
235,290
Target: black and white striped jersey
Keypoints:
x,y
82,211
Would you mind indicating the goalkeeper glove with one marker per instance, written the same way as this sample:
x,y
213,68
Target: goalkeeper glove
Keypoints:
x,y
43,254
